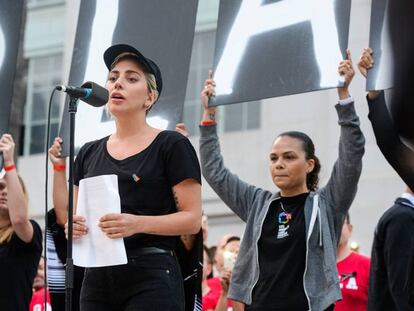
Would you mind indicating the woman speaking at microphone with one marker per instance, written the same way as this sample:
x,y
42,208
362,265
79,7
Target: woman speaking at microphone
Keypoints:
x,y
159,184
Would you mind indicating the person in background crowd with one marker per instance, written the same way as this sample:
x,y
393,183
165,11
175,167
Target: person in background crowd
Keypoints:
x,y
159,186
218,266
210,297
214,293
353,269
204,228
221,283
287,257
391,285
182,129
398,154
38,299
55,236
189,251
354,246
20,237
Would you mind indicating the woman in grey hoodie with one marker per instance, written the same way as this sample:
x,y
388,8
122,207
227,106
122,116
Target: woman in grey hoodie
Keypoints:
x,y
287,258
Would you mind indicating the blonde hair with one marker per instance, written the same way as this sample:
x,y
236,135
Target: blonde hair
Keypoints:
x,y
6,232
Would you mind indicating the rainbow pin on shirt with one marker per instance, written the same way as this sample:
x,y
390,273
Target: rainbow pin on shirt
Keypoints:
x,y
284,217
136,178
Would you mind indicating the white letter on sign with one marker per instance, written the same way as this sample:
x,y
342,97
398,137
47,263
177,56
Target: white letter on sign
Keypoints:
x,y
254,18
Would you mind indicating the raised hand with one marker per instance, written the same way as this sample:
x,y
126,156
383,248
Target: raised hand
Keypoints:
x,y
225,280
346,70
7,147
366,61
209,90
182,129
55,152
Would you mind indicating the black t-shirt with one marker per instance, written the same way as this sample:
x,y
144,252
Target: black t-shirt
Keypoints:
x,y
145,180
18,268
282,257
391,278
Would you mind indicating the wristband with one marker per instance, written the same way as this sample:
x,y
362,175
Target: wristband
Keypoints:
x,y
208,122
10,167
59,167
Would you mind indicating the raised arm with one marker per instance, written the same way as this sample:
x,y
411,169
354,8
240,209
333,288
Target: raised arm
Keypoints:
x,y
61,193
342,185
16,199
237,194
60,188
395,151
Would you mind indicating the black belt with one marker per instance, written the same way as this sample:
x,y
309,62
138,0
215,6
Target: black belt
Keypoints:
x,y
151,250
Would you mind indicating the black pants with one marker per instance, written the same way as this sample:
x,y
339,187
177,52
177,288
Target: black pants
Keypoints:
x,y
58,300
148,282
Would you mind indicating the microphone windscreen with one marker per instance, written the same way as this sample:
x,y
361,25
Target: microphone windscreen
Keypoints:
x,y
99,95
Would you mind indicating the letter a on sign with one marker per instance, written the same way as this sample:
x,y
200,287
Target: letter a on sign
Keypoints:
x,y
274,48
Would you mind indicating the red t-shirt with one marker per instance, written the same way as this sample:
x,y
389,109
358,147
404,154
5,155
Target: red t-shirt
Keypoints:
x,y
354,277
212,297
38,301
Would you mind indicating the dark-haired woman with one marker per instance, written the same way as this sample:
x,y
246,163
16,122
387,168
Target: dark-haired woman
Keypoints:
x,y
158,178
287,258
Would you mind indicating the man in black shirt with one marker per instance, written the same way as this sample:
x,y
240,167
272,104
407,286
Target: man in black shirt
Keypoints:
x,y
391,285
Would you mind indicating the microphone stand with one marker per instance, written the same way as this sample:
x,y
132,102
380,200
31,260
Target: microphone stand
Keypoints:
x,y
73,102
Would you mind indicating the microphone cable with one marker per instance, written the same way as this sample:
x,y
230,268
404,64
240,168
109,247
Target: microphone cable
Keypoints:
x,y
47,139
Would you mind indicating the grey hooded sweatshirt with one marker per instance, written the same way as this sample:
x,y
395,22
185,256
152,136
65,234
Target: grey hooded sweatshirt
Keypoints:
x,y
325,210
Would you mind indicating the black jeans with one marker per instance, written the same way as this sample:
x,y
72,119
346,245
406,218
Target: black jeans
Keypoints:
x,y
148,282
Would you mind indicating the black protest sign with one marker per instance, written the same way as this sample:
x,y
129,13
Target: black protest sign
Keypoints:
x,y
274,48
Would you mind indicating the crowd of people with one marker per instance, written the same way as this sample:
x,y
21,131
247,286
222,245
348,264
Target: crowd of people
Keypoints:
x,y
293,255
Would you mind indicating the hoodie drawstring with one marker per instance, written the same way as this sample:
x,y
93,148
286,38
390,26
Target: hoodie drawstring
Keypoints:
x,y
320,226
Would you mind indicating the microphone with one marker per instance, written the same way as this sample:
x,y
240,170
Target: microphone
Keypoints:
x,y
90,92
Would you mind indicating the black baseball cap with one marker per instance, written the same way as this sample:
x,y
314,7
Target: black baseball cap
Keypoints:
x,y
114,51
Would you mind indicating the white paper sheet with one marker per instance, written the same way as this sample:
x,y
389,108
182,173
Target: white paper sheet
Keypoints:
x,y
98,196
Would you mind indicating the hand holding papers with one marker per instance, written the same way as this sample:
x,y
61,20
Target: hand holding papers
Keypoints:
x,y
98,196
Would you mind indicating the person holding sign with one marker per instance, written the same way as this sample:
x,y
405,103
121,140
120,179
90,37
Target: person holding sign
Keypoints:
x,y
287,258
398,154
20,237
391,285
158,179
